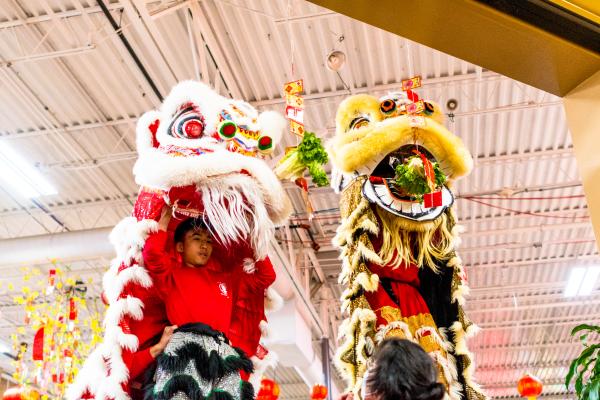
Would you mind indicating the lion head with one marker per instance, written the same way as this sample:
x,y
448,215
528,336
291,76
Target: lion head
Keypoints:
x,y
376,138
204,153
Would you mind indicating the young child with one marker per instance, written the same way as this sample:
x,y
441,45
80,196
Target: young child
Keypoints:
x,y
199,292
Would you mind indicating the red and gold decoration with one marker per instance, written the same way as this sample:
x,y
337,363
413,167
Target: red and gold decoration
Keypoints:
x,y
294,106
530,387
61,328
318,392
269,390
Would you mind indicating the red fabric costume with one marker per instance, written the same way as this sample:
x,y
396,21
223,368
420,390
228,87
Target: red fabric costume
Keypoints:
x,y
249,307
187,161
149,331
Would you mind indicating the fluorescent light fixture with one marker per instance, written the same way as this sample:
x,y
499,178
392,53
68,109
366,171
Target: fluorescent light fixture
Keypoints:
x,y
21,176
589,281
575,280
4,349
582,281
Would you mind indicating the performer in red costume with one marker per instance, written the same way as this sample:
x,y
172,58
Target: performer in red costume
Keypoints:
x,y
200,154
199,292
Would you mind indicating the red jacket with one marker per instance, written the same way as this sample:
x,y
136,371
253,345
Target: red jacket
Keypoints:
x,y
203,294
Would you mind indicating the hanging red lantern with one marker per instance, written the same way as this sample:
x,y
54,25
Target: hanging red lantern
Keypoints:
x,y
20,393
318,392
530,387
269,390
72,309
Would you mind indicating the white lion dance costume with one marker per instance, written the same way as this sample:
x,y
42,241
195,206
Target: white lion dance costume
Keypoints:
x,y
398,235
200,154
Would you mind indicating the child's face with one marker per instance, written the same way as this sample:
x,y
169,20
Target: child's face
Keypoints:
x,y
196,247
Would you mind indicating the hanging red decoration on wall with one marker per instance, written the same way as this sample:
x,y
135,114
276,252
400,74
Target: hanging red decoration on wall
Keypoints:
x,y
269,390
530,387
72,309
318,392
38,345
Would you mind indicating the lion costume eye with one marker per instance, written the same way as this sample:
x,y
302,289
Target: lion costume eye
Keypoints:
x,y
188,123
359,122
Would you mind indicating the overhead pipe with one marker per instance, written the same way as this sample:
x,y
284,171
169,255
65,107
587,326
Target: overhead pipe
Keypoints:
x,y
130,50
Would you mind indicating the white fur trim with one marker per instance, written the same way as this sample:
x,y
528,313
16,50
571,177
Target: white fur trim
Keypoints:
x,y
273,301
143,134
264,329
260,366
161,171
115,283
129,236
249,266
93,368
272,124
235,210
130,305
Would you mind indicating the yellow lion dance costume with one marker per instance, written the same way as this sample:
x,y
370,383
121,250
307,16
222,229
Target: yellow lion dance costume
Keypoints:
x,y
401,272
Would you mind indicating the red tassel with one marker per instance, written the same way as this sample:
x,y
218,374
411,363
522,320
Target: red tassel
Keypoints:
x,y
412,96
38,345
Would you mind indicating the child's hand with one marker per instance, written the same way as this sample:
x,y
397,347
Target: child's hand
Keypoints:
x,y
165,218
159,347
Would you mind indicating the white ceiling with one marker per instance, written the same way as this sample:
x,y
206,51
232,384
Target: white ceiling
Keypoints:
x,y
70,94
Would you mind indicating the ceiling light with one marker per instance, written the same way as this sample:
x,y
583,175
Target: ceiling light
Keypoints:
x,y
4,348
21,176
589,281
582,281
574,283
452,104
336,60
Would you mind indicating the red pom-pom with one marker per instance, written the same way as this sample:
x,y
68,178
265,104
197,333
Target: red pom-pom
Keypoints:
x,y
229,130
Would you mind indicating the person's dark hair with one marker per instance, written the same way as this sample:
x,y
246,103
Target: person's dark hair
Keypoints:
x,y
402,370
190,224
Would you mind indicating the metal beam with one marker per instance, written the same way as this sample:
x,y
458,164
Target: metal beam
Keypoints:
x,y
534,323
49,55
201,22
540,306
60,14
534,261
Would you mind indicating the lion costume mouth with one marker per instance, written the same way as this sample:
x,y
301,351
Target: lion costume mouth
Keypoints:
x,y
382,190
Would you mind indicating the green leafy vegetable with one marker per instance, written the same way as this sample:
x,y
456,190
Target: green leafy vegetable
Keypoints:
x,y
410,177
309,154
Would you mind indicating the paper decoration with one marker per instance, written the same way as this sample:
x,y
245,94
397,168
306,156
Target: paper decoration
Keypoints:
x,y
411,83
294,109
38,345
294,87
415,108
